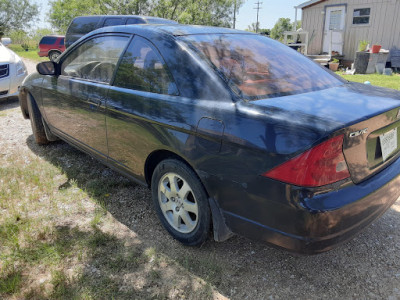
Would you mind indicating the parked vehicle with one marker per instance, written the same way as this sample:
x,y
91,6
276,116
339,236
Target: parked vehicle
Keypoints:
x,y
12,72
84,24
231,131
6,41
51,46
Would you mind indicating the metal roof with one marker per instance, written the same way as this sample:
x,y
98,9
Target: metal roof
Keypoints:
x,y
308,3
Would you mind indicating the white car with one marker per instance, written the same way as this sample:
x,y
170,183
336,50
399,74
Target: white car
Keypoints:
x,y
12,72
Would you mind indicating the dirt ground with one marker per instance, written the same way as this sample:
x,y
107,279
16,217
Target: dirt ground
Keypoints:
x,y
367,267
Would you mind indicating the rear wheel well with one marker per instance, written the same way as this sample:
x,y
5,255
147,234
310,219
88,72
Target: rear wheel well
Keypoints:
x,y
155,158
220,230
51,52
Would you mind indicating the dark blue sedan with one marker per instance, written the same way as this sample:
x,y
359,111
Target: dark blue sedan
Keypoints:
x,y
233,132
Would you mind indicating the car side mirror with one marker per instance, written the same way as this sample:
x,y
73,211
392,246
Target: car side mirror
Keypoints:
x,y
47,68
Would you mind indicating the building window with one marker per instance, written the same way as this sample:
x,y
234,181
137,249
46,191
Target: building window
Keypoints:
x,y
361,16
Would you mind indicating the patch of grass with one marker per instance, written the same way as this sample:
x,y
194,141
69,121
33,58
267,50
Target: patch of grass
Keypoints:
x,y
208,269
31,54
97,218
9,231
61,285
100,239
392,82
10,283
56,229
154,275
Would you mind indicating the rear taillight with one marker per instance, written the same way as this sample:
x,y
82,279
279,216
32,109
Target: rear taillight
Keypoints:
x,y
321,165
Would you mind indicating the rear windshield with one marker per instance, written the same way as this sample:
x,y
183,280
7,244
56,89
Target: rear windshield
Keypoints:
x,y
48,40
83,25
256,67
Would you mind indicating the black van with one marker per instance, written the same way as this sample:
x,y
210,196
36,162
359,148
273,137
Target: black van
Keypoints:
x,y
82,25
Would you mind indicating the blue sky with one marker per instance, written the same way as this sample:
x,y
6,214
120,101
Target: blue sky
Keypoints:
x,y
271,11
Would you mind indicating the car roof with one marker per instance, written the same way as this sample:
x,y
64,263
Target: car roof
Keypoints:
x,y
54,35
167,29
123,16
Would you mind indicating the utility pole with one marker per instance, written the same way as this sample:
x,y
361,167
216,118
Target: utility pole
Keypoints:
x,y
258,7
234,15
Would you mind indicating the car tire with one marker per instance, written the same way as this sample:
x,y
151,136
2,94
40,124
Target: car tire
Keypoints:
x,y
36,122
182,207
53,55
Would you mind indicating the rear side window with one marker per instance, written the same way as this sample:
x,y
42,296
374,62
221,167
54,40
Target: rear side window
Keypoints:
x,y
62,42
48,40
135,21
112,22
96,59
142,68
257,67
83,25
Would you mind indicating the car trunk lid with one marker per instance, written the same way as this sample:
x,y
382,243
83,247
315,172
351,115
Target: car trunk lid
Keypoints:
x,y
368,117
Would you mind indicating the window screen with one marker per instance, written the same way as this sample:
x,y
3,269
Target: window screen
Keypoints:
x,y
361,16
96,59
143,69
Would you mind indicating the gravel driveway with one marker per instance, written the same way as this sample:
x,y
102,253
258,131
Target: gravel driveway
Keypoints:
x,y
30,65
367,267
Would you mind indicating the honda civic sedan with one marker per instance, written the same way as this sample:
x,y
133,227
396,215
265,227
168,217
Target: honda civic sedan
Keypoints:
x,y
234,133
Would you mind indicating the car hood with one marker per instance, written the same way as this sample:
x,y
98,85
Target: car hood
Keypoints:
x,y
6,55
335,108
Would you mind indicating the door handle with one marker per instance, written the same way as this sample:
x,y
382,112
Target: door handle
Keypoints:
x,y
95,103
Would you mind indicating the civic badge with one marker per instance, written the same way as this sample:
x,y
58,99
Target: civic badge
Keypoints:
x,y
359,132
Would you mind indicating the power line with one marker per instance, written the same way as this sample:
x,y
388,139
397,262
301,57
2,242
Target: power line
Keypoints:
x,y
258,9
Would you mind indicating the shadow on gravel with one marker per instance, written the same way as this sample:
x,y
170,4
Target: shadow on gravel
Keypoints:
x,y
9,103
368,266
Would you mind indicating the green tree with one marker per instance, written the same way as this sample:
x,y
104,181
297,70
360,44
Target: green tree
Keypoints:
x,y
124,7
18,36
264,31
201,12
298,25
253,27
63,11
282,25
16,15
37,34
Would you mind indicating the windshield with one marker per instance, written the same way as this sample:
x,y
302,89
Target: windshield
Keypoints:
x,y
256,67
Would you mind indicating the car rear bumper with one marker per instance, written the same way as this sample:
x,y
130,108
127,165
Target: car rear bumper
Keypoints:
x,y
323,221
43,53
